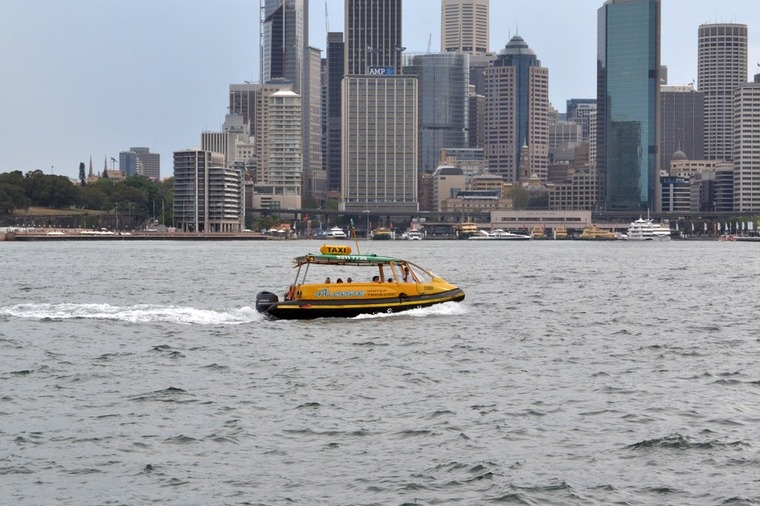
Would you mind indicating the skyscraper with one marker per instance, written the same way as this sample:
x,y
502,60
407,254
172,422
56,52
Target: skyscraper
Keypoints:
x,y
335,66
464,26
722,67
517,107
681,123
140,161
628,104
373,36
443,104
379,115
285,54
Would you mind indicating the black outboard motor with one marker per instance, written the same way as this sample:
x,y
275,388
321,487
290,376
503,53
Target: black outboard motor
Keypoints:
x,y
264,300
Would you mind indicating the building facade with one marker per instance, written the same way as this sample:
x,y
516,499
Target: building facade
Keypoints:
x,y
721,68
517,108
372,36
379,143
379,122
746,154
628,62
681,123
334,77
443,104
465,26
208,197
140,161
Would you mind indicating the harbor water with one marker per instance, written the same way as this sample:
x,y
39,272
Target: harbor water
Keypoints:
x,y
592,373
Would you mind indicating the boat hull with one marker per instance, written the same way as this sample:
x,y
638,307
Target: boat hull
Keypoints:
x,y
348,308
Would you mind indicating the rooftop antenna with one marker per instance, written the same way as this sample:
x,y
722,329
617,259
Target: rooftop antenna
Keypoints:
x,y
430,40
327,19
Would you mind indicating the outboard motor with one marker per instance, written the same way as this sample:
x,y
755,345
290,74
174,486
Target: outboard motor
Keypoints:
x,y
264,301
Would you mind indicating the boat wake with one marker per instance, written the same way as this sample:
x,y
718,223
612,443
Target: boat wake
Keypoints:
x,y
444,309
141,313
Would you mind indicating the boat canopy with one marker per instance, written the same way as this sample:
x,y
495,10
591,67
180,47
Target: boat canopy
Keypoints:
x,y
359,260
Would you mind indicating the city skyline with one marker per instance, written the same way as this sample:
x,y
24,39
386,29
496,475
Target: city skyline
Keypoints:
x,y
93,78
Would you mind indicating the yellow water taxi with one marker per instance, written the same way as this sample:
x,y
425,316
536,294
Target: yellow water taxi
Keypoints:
x,y
353,284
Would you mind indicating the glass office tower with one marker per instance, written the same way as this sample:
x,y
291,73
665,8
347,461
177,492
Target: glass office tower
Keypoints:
x,y
628,104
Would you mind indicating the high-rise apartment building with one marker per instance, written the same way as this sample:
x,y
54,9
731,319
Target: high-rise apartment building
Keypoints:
x,y
464,26
208,197
379,143
746,154
243,103
628,104
722,67
517,107
443,81
681,123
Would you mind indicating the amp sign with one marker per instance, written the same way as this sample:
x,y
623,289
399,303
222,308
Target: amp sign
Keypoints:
x,y
380,71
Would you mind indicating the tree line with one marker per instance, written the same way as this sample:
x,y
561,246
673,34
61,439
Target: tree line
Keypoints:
x,y
141,197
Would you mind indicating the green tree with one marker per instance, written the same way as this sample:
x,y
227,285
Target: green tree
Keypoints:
x,y
82,176
520,198
12,197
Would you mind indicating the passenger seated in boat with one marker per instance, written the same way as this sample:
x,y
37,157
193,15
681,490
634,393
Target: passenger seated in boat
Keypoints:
x,y
390,280
406,274
339,280
348,280
327,279
376,279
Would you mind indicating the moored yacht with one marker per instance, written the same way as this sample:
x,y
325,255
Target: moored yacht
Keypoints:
x,y
646,230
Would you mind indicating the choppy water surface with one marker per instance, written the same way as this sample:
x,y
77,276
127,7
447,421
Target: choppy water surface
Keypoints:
x,y
573,373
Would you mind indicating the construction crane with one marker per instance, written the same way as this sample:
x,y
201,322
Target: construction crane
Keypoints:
x,y
327,20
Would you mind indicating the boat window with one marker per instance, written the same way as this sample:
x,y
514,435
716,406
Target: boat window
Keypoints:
x,y
422,275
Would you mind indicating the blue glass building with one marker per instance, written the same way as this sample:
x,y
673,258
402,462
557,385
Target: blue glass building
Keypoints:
x,y
628,104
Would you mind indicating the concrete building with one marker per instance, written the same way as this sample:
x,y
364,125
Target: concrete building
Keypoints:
x,y
746,153
628,104
234,141
465,26
579,111
517,106
446,183
681,123
139,161
380,112
243,103
676,194
564,137
208,197
380,139
280,158
576,193
721,68
443,104
476,122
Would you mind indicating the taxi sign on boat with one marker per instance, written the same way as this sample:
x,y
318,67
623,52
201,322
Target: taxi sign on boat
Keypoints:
x,y
328,249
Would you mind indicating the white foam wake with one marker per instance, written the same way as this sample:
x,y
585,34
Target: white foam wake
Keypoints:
x,y
141,313
444,309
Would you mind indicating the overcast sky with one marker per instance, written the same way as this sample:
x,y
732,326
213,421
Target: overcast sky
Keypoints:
x,y
91,78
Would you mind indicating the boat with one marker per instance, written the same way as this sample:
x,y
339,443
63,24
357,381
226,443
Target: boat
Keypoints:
x,y
560,233
336,233
646,230
499,235
466,230
387,285
592,233
382,234
414,235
